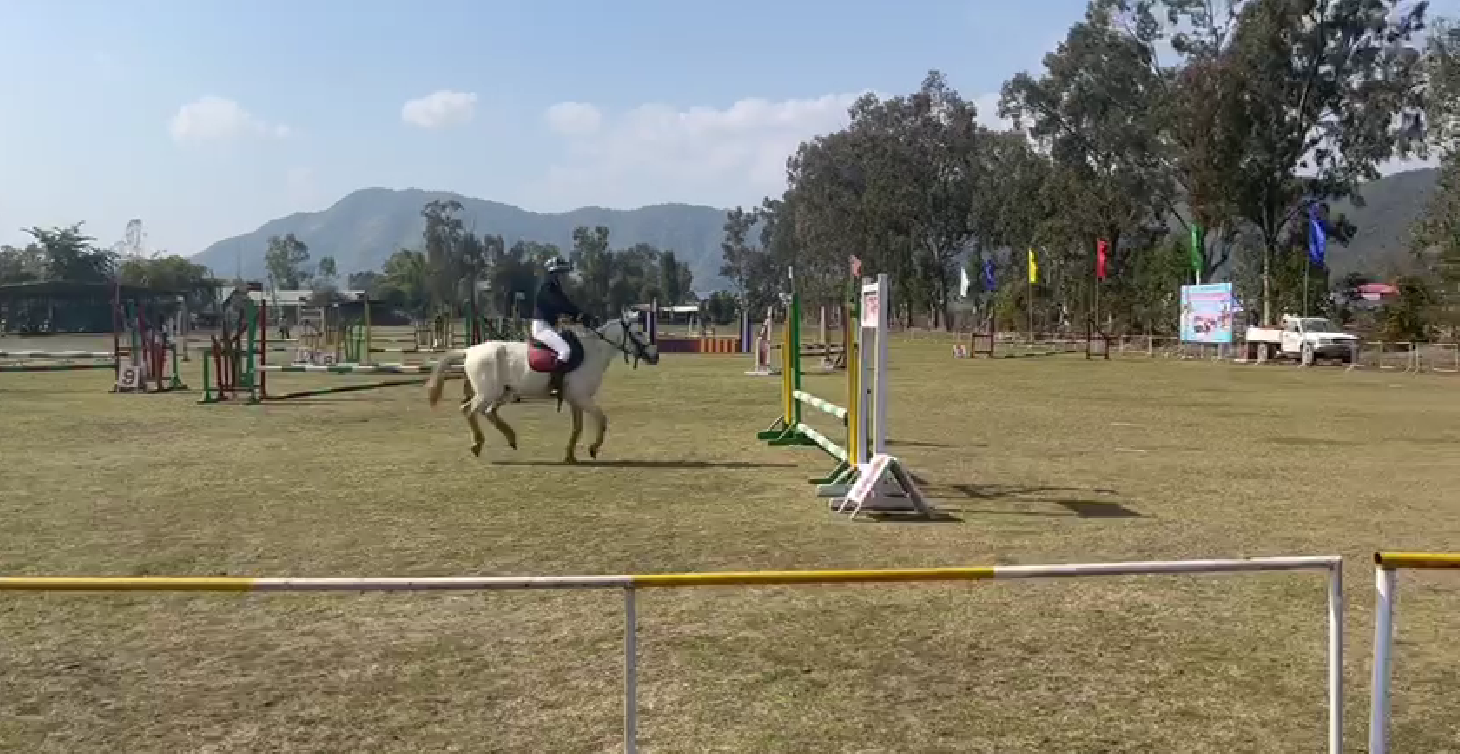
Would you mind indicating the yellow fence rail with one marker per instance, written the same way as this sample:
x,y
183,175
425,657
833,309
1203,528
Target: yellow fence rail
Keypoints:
x,y
1331,565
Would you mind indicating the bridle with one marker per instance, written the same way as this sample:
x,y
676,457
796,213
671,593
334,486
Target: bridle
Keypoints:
x,y
631,345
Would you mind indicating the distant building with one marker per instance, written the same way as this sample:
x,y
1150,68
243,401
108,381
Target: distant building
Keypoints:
x,y
1377,292
288,305
285,302
300,297
1367,297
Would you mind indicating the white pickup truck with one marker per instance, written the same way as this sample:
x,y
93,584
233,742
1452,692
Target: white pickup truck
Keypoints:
x,y
1304,338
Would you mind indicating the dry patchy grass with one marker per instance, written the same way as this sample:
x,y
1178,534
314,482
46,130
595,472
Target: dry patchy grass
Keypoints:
x,y
1047,460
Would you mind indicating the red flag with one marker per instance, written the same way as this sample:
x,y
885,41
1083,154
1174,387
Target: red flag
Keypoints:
x,y
1101,246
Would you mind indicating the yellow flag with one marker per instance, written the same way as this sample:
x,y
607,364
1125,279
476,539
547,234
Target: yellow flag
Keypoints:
x,y
1033,268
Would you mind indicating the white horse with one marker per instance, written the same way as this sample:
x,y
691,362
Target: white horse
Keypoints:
x,y
498,369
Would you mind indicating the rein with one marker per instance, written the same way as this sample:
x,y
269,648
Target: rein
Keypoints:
x,y
629,337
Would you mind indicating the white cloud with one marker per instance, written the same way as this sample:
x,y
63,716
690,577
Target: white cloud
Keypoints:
x,y
214,118
440,109
658,153
574,118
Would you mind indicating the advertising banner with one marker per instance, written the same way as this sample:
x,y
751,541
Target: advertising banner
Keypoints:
x,y
1207,313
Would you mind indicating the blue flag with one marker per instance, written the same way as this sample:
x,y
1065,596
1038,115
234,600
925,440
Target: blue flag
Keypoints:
x,y
988,273
1317,238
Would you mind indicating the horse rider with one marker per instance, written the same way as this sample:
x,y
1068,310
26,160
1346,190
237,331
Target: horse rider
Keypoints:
x,y
553,304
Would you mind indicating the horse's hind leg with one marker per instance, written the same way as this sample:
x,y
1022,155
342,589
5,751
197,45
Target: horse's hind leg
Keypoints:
x,y
469,409
572,455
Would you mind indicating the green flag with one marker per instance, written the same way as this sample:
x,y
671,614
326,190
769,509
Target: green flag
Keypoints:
x,y
1198,250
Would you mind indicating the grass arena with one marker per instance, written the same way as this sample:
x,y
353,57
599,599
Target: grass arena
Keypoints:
x,y
1055,460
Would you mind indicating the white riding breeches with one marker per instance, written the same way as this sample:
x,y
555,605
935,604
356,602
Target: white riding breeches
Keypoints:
x,y
545,334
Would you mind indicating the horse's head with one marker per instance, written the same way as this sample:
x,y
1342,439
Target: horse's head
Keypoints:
x,y
630,339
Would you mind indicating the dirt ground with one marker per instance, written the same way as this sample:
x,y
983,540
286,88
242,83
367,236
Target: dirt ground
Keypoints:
x,y
1045,460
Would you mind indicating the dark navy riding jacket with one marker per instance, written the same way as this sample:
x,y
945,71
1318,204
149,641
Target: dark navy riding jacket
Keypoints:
x,y
552,302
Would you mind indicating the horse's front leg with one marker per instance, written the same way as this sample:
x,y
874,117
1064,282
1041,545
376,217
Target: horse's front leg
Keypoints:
x,y
572,455
602,421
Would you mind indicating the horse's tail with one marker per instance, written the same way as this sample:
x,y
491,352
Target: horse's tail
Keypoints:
x,y
504,378
438,373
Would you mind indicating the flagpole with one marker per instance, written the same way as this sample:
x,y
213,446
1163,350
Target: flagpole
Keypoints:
x,y
1307,265
1029,303
1095,304
1198,250
1095,298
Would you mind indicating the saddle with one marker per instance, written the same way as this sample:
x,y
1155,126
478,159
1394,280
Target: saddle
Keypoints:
x,y
542,358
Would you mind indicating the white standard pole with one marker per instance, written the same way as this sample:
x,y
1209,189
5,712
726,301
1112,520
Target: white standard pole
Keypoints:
x,y
1383,642
753,336
1335,660
631,672
879,367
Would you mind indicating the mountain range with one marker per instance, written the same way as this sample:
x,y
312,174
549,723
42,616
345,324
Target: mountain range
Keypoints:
x,y
1392,206
363,229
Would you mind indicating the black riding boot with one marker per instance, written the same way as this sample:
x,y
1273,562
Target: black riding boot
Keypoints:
x,y
555,383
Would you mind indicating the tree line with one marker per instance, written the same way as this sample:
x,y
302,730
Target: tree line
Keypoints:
x,y
1162,143
439,275
68,254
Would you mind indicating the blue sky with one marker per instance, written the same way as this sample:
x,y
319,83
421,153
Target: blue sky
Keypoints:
x,y
206,118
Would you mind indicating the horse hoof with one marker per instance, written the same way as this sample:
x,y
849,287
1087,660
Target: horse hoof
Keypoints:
x,y
570,460
476,450
513,444
593,452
